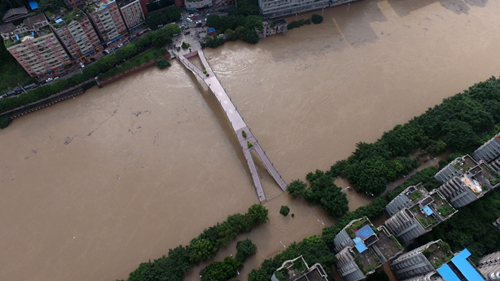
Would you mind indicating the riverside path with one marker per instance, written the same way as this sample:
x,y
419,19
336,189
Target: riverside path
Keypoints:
x,y
247,140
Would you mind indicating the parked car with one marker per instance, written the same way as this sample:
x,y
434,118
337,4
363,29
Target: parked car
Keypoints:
x,y
106,51
187,32
49,79
189,20
194,18
82,65
121,45
55,78
191,15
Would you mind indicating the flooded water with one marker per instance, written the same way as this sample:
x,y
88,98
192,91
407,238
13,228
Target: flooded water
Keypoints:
x,y
91,187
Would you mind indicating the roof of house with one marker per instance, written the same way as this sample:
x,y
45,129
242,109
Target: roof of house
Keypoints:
x,y
8,27
15,12
31,21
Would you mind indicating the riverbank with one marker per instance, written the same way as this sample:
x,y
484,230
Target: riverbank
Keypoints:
x,y
157,161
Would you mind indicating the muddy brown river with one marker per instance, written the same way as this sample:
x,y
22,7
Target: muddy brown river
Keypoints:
x,y
91,187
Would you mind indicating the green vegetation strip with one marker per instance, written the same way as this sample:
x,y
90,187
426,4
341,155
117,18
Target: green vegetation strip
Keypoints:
x,y
145,57
179,260
12,74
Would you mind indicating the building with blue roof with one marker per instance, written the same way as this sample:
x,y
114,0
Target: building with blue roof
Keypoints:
x,y
435,261
415,211
361,248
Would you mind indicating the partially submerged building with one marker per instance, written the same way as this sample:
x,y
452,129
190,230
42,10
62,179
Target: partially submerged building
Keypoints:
x,y
415,211
435,261
298,270
466,180
361,248
270,27
489,266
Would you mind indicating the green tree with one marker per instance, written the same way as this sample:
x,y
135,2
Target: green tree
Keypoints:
x,y
214,21
284,210
221,271
162,63
172,29
250,36
200,250
257,214
296,188
161,38
4,122
173,13
156,18
245,249
317,19
50,5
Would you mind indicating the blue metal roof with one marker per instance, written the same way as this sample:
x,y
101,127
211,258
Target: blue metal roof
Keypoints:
x,y
364,232
448,274
33,4
467,270
427,210
59,20
360,246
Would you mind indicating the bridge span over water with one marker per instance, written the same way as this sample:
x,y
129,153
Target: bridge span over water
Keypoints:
x,y
247,140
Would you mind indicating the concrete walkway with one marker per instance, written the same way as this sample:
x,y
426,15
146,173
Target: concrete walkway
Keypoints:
x,y
246,139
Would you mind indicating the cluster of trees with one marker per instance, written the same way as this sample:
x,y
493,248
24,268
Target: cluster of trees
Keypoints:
x,y
171,14
156,38
229,267
313,250
454,125
51,5
298,23
234,27
180,259
322,191
162,63
471,228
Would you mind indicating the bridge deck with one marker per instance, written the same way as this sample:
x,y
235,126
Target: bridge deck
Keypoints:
x,y
238,125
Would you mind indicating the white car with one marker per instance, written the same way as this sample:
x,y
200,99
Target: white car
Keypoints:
x,y
189,20
82,65
49,79
191,15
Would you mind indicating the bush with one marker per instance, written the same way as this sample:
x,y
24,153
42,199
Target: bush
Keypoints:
x,y
221,270
316,19
284,210
5,122
185,45
162,63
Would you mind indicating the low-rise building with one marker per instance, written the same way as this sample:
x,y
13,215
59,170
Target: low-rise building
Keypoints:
x,y
489,151
8,31
197,4
361,248
435,261
489,266
38,52
415,211
35,23
270,27
75,3
107,20
76,33
15,14
298,270
132,12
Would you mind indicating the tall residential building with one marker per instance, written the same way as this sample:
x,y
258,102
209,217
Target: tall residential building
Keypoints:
x,y
361,249
38,52
283,8
107,20
132,12
466,180
489,266
435,261
298,270
76,33
415,211
75,3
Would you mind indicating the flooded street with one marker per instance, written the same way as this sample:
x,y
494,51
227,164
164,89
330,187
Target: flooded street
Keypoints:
x,y
91,187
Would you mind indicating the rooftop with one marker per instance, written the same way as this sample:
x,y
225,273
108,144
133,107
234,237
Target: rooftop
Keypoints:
x,y
460,269
29,35
66,18
31,21
438,253
14,13
298,270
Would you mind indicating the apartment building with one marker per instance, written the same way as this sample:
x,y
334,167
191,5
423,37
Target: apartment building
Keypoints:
x,y
38,52
76,33
283,8
415,211
107,20
435,261
361,248
465,180
132,12
489,266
